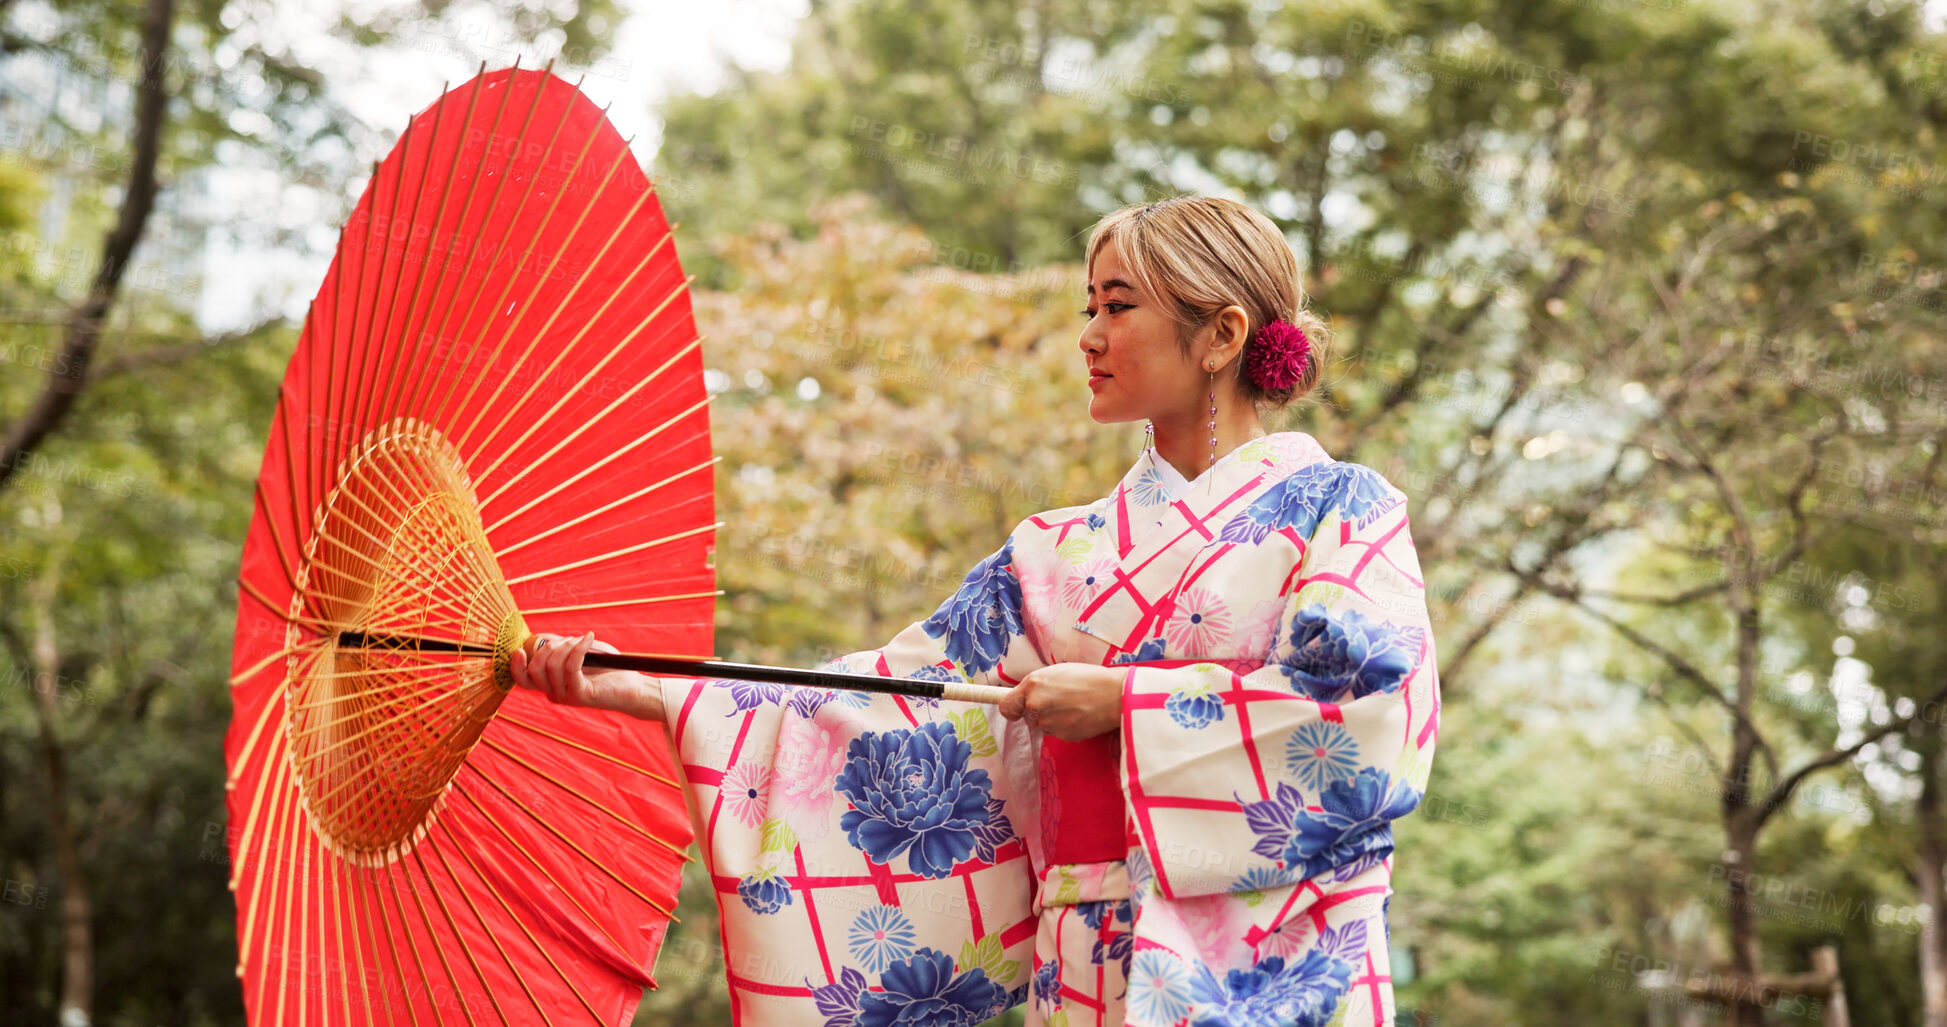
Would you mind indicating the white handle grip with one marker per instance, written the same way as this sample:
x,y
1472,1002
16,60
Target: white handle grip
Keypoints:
x,y
964,691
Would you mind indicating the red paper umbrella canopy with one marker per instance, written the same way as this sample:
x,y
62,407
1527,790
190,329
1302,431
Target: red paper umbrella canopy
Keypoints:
x,y
494,422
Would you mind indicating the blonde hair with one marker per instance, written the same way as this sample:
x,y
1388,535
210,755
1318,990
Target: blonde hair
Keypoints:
x,y
1197,255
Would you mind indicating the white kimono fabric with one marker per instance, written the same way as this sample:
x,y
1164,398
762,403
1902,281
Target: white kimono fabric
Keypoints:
x,y
1224,858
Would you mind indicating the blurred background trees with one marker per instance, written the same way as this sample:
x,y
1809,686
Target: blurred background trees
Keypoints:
x,y
1640,302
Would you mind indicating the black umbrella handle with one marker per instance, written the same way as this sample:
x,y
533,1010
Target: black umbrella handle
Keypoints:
x,y
958,691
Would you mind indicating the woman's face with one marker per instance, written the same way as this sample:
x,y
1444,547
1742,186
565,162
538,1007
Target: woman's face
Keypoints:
x,y
1136,369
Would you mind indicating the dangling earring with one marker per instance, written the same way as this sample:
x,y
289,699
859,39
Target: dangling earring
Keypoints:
x,y
1212,365
1149,436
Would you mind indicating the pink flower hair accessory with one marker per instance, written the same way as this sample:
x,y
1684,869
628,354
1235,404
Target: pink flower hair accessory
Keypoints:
x,y
1277,356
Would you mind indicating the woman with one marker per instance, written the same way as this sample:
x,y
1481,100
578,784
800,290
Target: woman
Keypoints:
x,y
1223,692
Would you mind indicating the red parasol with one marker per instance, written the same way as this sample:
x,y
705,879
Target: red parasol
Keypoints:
x,y
496,404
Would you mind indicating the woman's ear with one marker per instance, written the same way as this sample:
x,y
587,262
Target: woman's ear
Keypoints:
x,y
1227,331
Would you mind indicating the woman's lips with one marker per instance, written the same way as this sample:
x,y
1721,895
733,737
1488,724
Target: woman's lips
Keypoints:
x,y
1096,378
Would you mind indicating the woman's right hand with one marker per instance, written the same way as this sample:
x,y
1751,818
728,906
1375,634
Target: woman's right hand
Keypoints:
x,y
555,670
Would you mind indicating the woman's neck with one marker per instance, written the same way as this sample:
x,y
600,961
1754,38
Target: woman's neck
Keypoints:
x,y
1184,440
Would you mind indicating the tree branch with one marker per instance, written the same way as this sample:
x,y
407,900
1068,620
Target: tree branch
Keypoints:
x,y
166,355
1782,791
1684,668
69,371
1655,692
1680,599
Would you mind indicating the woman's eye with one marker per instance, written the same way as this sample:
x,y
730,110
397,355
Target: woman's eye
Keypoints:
x,y
1113,308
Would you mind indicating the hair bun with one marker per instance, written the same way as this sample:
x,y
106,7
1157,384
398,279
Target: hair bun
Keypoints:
x,y
1276,358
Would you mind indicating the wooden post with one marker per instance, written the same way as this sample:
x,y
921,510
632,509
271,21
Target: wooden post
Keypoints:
x,y
1825,963
1822,982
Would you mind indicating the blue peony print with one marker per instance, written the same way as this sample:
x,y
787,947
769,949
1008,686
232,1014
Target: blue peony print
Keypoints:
x,y
1301,500
924,992
980,619
1321,753
912,792
1272,993
1095,522
1149,488
934,672
764,892
1047,982
1356,821
1194,708
880,936
1150,650
1345,655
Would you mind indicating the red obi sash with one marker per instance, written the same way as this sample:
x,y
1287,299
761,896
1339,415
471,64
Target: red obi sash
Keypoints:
x,y
1081,800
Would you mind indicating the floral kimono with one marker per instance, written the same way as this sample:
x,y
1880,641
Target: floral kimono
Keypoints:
x,y
1224,858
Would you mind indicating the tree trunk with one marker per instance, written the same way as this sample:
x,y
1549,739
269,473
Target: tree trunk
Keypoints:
x,y
1743,817
77,913
1928,866
1741,829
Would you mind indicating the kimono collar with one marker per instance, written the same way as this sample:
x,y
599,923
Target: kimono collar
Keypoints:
x,y
1153,539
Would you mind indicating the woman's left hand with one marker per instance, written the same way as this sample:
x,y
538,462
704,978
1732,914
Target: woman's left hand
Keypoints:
x,y
1070,701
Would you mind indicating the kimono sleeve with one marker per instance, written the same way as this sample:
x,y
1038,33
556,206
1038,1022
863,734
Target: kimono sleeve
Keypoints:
x,y
834,882
968,638
1240,782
